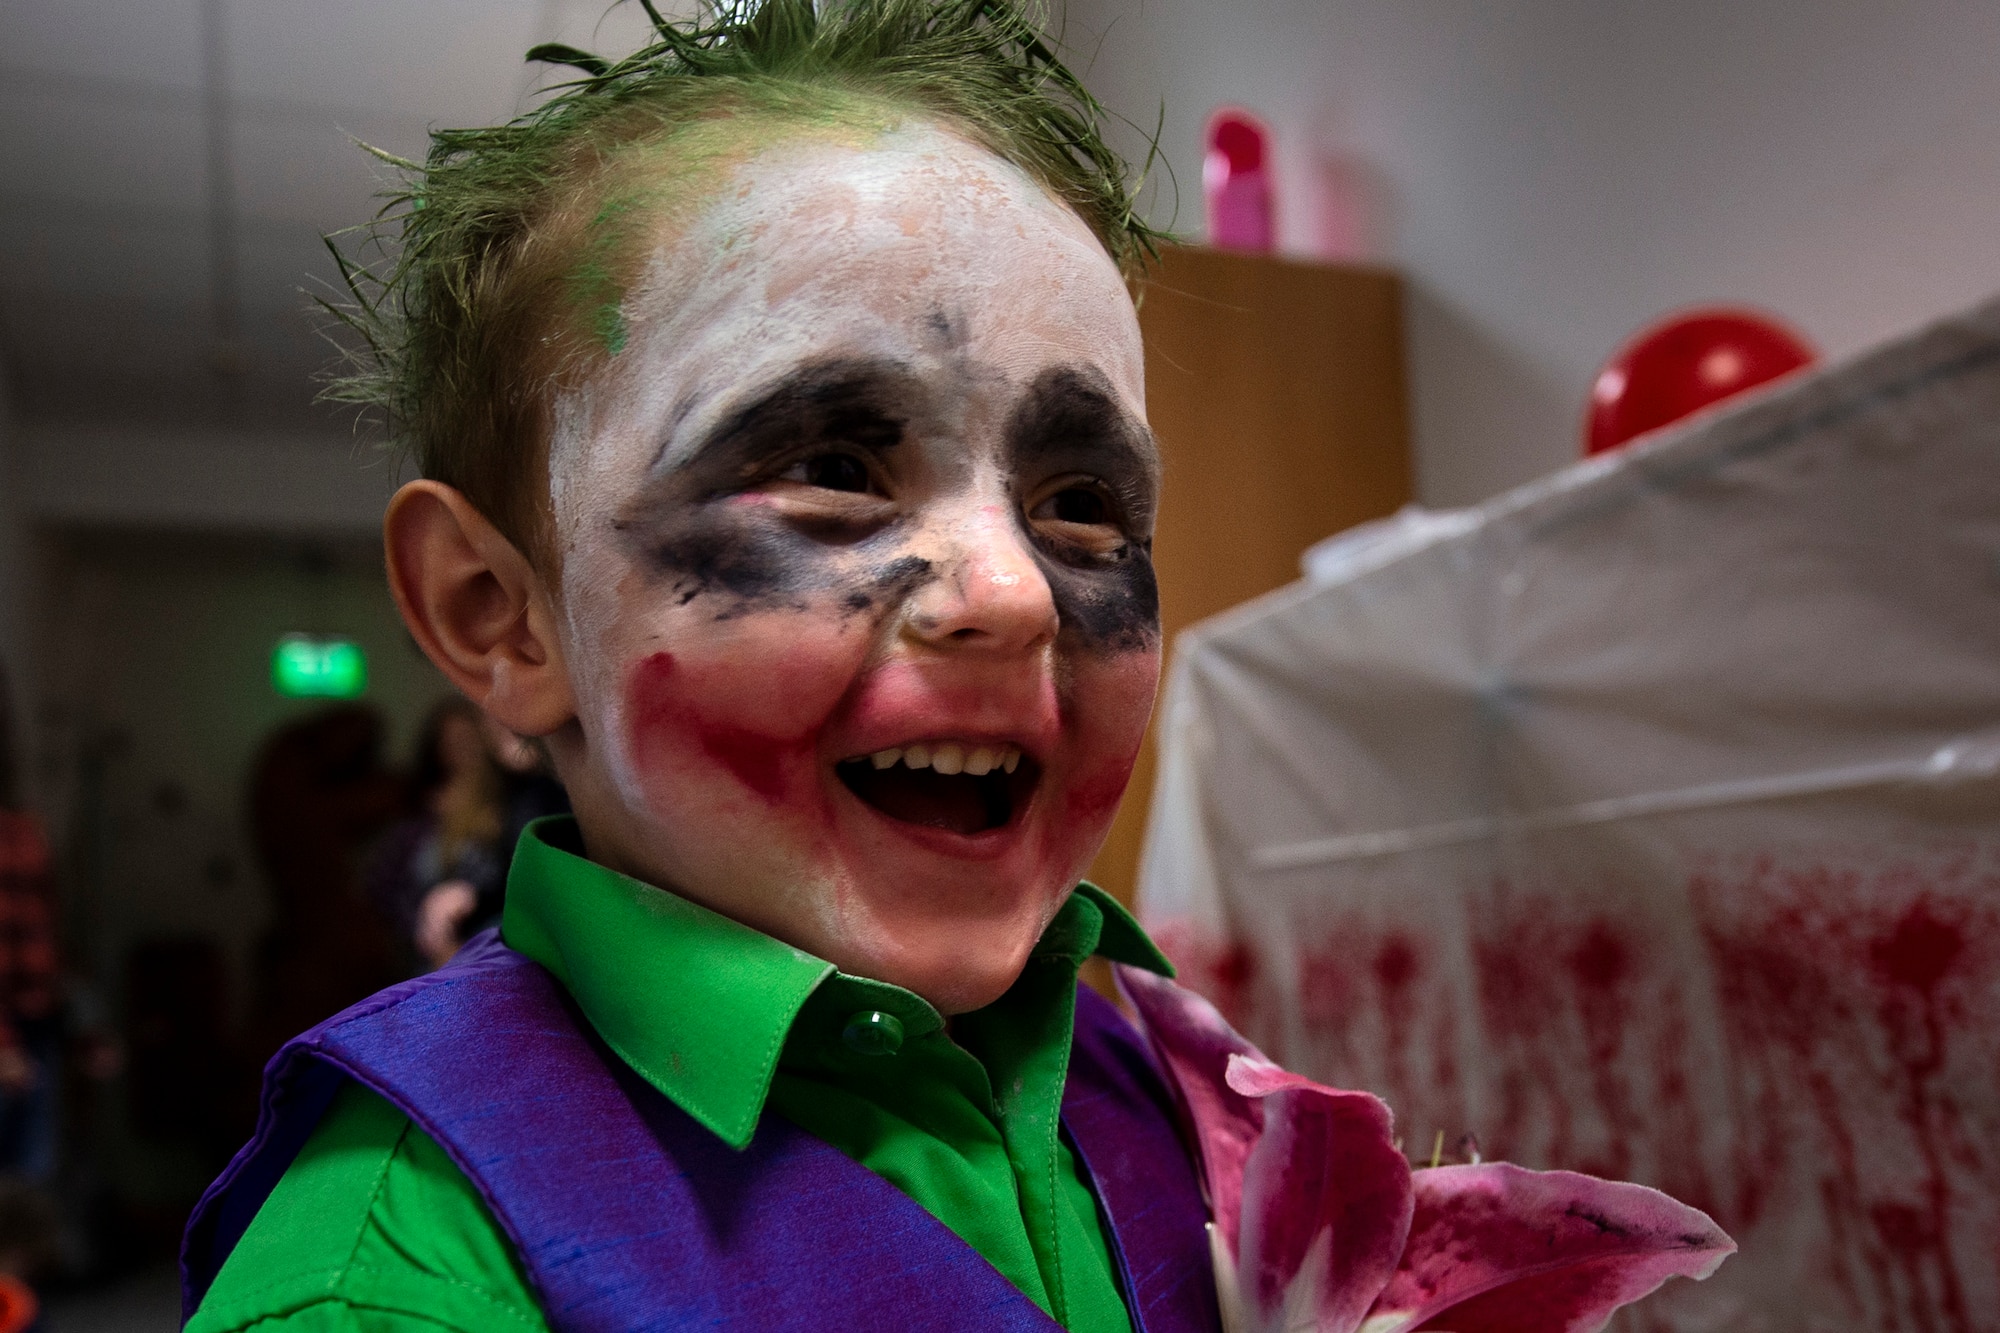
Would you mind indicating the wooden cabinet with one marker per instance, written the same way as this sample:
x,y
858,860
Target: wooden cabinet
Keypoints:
x,y
1277,392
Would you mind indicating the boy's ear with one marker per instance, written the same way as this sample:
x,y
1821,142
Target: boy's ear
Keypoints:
x,y
477,608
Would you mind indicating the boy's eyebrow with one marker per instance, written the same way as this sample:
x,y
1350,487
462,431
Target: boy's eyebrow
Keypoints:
x,y
1070,406
861,401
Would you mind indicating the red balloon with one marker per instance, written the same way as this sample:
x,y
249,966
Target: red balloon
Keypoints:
x,y
1683,364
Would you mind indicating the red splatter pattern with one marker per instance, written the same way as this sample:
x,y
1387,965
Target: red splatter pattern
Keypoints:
x,y
1862,1012
1583,1021
1807,1048
1370,999
1227,973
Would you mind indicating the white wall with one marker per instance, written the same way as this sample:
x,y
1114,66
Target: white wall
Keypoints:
x,y
1553,174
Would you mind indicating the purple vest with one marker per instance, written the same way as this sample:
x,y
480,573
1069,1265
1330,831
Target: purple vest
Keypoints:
x,y
627,1214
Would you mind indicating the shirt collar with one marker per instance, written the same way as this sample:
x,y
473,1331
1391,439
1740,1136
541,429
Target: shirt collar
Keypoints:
x,y
700,1005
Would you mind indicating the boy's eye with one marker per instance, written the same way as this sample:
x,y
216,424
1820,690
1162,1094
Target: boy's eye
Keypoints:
x,y
1077,512
1076,505
835,492
833,472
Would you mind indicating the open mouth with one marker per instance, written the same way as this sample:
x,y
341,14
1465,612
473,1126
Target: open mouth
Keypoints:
x,y
947,785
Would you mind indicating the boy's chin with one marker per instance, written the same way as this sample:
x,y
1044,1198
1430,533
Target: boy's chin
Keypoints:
x,y
958,971
960,984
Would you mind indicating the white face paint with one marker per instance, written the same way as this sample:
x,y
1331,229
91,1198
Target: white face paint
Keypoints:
x,y
869,478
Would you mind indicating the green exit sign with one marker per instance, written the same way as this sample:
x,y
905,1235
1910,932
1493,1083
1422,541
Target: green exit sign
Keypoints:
x,y
308,666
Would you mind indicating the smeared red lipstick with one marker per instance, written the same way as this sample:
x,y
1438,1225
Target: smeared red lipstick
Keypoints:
x,y
663,716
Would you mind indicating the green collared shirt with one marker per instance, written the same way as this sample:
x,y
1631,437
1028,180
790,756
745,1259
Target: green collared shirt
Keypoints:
x,y
373,1227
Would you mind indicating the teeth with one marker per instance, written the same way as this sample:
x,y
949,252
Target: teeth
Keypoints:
x,y
949,757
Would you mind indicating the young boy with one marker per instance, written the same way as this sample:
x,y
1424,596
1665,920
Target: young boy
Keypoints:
x,y
780,405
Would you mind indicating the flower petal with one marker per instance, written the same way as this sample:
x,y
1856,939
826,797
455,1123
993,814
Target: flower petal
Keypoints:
x,y
1497,1248
1195,1044
1326,1203
1310,1196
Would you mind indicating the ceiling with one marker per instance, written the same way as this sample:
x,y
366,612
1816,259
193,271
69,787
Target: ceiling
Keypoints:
x,y
167,168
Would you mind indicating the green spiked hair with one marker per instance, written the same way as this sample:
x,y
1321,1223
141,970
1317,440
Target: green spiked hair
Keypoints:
x,y
503,258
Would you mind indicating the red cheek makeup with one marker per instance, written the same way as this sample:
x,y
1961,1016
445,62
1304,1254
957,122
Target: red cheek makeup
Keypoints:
x,y
676,714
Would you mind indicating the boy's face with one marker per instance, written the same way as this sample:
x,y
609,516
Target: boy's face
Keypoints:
x,y
856,595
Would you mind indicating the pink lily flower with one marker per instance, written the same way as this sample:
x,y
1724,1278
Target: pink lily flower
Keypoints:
x,y
1319,1223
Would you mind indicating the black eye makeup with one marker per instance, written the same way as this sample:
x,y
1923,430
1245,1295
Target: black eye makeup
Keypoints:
x,y
1079,458
831,425
806,489
812,452
1088,475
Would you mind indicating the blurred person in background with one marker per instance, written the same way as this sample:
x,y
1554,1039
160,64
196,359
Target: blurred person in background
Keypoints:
x,y
320,797
458,858
37,1029
44,1013
29,1226
442,876
30,976
527,793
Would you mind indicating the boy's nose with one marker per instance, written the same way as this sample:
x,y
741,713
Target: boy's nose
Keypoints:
x,y
987,594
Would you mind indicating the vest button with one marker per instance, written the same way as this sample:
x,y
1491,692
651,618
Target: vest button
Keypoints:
x,y
872,1032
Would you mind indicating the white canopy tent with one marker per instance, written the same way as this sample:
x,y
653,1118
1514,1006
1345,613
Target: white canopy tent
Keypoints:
x,y
1646,821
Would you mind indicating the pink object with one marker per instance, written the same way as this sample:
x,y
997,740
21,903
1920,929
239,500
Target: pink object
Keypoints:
x,y
1319,1222
1236,182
